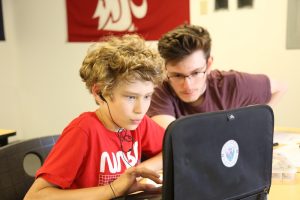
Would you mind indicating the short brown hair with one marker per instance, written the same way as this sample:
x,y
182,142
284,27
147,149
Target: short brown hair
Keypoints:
x,y
118,59
183,41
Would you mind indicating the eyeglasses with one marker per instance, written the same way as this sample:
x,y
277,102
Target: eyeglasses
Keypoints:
x,y
124,136
180,78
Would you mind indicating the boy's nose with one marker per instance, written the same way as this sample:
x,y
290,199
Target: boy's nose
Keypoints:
x,y
138,107
187,82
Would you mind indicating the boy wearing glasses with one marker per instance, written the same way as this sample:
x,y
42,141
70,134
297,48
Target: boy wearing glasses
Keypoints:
x,y
193,87
98,154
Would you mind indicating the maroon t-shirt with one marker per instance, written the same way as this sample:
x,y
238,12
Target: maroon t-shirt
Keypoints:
x,y
225,90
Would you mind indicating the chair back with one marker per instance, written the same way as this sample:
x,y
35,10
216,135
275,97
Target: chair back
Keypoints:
x,y
18,164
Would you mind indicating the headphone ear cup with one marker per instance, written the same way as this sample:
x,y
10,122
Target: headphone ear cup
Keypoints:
x,y
101,97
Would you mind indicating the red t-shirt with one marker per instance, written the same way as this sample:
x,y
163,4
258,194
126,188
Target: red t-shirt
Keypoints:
x,y
88,155
224,90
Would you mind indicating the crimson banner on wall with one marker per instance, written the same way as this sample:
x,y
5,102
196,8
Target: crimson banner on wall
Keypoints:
x,y
90,20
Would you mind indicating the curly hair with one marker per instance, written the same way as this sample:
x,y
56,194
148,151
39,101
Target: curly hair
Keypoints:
x,y
183,41
119,59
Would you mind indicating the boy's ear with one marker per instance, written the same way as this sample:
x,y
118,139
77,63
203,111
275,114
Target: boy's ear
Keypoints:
x,y
95,93
209,64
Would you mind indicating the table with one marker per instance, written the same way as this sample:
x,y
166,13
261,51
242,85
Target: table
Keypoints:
x,y
4,134
286,189
289,190
280,190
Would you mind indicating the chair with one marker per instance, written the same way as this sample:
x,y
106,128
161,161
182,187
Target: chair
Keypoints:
x,y
18,164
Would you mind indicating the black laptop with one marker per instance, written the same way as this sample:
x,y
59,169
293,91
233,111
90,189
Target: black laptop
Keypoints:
x,y
223,155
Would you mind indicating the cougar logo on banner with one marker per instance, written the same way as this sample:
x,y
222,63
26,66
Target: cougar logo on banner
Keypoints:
x,y
115,15
90,20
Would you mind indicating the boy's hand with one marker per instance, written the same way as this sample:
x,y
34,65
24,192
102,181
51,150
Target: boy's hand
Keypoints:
x,y
127,182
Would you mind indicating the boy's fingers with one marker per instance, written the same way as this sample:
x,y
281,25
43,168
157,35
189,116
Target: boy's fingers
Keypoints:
x,y
152,175
146,173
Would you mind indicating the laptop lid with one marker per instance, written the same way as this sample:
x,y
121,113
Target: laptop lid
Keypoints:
x,y
219,155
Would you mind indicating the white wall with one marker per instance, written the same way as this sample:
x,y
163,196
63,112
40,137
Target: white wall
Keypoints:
x,y
40,87
9,75
254,40
43,90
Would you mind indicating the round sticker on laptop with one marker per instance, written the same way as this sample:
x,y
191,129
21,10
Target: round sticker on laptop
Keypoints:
x,y
230,153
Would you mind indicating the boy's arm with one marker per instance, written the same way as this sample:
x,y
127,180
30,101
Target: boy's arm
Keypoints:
x,y
154,163
42,189
126,183
163,120
278,89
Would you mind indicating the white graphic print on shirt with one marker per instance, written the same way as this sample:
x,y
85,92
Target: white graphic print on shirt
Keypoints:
x,y
114,164
114,161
